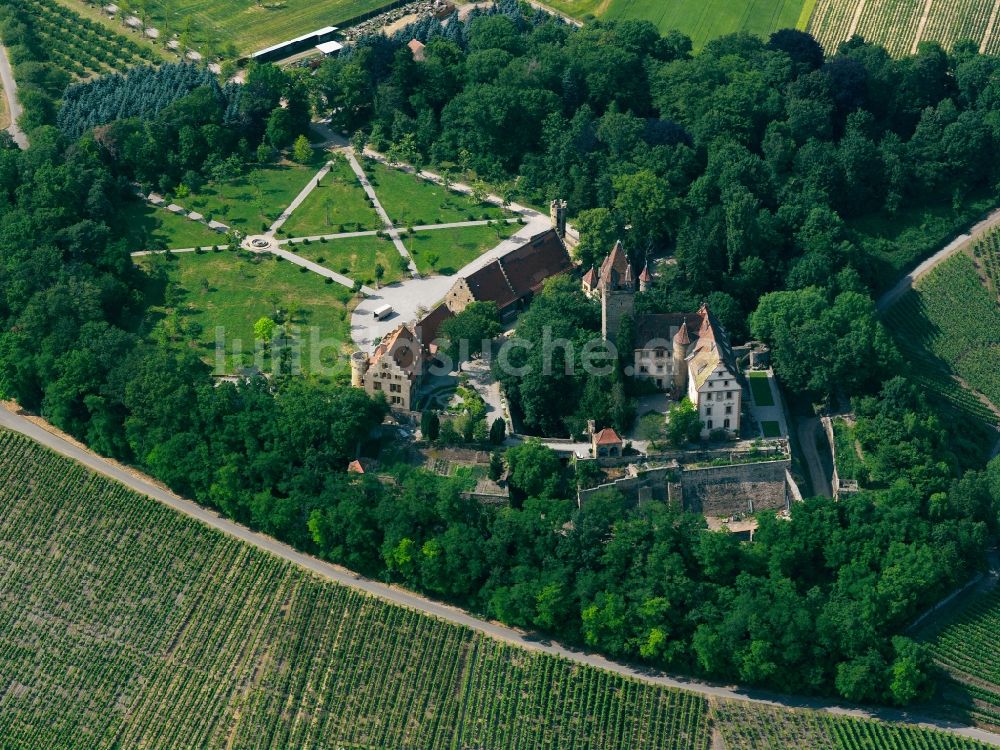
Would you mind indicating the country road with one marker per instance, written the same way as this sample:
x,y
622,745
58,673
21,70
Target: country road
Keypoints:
x,y
959,243
337,574
13,105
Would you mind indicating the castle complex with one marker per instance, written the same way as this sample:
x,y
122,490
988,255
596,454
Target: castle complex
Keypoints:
x,y
681,354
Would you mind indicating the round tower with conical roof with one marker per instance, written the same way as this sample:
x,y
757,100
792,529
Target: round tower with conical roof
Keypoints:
x,y
681,342
359,366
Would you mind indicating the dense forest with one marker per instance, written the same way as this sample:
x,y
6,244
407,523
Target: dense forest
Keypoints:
x,y
751,161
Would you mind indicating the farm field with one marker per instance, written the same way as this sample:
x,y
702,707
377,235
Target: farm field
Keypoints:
x,y
899,25
127,624
248,24
951,323
249,201
745,727
410,201
81,46
446,251
965,645
354,257
701,21
150,228
338,204
193,294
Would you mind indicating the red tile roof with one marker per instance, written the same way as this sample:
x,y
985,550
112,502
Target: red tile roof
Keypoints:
x,y
607,436
616,270
355,467
520,272
429,328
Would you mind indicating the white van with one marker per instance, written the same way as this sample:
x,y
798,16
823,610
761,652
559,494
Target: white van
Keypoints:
x,y
383,312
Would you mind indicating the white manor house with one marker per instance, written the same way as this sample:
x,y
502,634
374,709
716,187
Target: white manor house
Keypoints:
x,y
682,354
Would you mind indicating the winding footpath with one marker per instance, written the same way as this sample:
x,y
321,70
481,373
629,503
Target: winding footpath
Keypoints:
x,y
48,437
13,105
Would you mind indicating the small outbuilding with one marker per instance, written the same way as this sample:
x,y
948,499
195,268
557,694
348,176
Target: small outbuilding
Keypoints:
x,y
417,50
606,444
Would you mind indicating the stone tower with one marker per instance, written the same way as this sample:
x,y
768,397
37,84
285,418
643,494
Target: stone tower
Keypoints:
x,y
557,213
645,278
681,342
617,286
359,366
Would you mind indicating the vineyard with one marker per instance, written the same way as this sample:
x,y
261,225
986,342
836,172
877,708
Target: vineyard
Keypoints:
x,y
129,625
965,645
986,254
79,45
899,25
762,728
951,324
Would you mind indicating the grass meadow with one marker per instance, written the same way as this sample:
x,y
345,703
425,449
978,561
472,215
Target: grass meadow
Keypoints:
x,y
192,295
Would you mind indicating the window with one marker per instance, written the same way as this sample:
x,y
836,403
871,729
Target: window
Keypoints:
x,y
709,424
378,385
643,369
729,410
725,424
708,411
729,394
395,387
726,384
659,368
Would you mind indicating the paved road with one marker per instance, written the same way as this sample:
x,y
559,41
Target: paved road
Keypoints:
x,y
445,612
906,283
13,105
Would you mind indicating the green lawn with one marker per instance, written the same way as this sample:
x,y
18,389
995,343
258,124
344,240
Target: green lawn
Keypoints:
x,y
771,429
761,389
652,426
150,228
354,257
446,251
410,201
699,20
245,206
339,204
192,295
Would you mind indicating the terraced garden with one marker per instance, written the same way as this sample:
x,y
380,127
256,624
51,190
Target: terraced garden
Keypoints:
x,y
127,624
950,325
80,46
